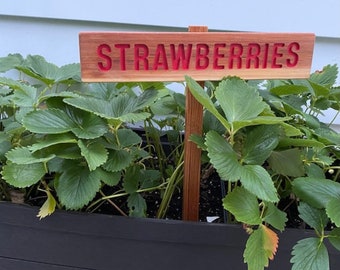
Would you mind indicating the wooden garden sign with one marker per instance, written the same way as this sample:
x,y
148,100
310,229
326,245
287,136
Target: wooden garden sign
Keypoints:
x,y
203,55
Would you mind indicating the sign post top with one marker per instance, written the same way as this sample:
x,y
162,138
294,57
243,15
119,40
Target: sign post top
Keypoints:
x,y
168,56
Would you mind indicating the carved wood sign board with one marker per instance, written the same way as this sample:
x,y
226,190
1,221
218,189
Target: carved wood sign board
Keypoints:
x,y
168,56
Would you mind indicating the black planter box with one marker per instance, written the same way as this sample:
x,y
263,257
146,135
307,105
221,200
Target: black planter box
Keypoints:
x,y
66,241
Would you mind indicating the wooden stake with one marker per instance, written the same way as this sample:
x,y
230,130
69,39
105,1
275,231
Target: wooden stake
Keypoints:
x,y
192,154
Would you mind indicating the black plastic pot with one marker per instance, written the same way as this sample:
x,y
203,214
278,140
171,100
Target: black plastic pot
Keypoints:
x,y
66,241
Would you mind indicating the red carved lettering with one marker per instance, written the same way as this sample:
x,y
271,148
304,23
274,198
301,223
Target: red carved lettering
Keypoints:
x,y
253,53
235,53
122,60
265,56
180,56
141,53
202,59
217,54
292,48
277,55
160,58
101,52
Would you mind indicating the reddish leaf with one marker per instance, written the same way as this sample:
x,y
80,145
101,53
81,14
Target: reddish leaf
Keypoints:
x,y
270,242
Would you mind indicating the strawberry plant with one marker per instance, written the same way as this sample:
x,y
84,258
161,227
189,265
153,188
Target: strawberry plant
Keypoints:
x,y
269,146
80,136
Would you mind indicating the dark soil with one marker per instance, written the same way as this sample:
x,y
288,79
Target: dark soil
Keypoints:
x,y
211,194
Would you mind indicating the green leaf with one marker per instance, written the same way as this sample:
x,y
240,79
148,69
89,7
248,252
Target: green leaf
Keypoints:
x,y
144,100
55,99
287,162
131,179
10,62
292,105
198,140
257,181
51,121
259,120
333,210
137,205
127,137
210,122
118,160
124,107
55,165
324,159
259,143
69,71
289,142
149,178
19,116
275,217
87,125
77,186
37,67
310,254
105,91
260,247
109,178
55,121
24,95
315,218
180,100
254,255
320,91
223,157
238,100
164,106
290,130
323,103
94,153
53,139
243,205
11,83
334,98
5,146
202,97
326,77
316,192
23,175
23,156
65,151
289,89
327,135
334,238
311,121
314,171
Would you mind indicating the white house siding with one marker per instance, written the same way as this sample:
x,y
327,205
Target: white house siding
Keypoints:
x,y
50,28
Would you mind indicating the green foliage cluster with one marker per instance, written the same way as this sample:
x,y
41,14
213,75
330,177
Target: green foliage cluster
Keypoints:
x,y
266,141
69,139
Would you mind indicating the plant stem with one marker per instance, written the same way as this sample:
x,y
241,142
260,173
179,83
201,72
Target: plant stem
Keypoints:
x,y
230,216
173,182
124,194
114,205
335,116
